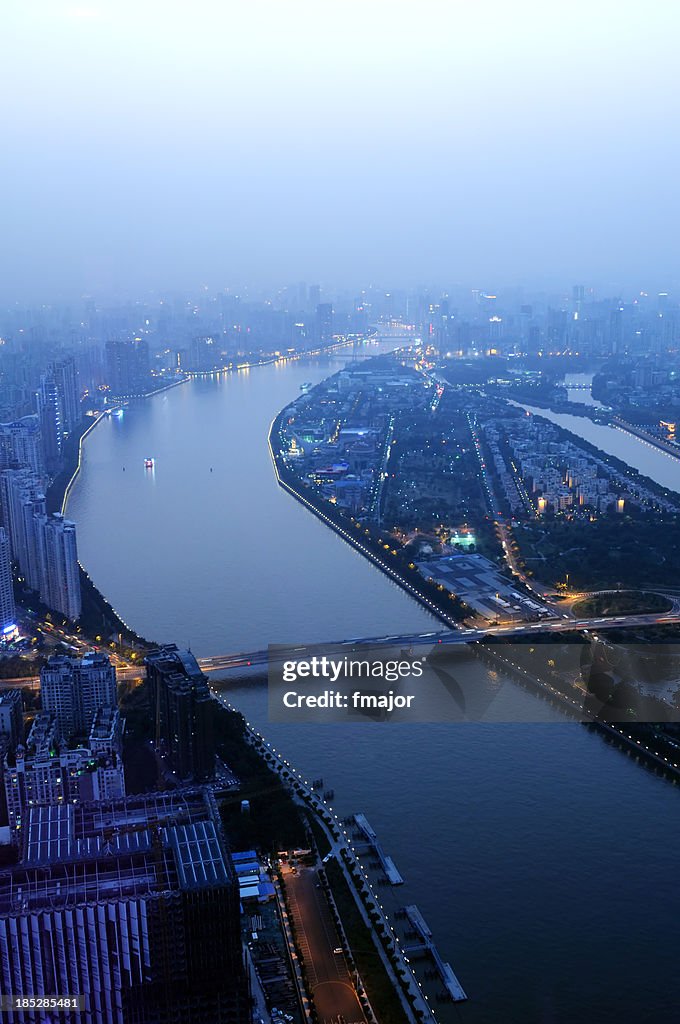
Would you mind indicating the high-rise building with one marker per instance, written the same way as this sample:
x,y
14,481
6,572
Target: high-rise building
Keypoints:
x,y
44,547
60,582
12,718
21,498
32,562
133,903
21,444
182,708
7,609
127,364
324,323
65,374
51,414
205,354
75,689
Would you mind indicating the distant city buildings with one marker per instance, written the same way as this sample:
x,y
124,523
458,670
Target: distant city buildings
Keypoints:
x,y
182,709
128,367
21,444
205,354
324,323
50,412
65,375
43,547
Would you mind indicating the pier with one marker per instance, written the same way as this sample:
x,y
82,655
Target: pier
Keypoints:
x,y
387,864
426,945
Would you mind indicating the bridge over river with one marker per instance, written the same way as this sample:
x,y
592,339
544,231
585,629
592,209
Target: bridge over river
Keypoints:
x,y
225,662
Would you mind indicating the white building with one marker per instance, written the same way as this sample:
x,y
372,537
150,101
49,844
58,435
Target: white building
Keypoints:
x,y
60,578
75,689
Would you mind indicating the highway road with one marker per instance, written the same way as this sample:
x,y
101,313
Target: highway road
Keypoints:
x,y
228,662
224,662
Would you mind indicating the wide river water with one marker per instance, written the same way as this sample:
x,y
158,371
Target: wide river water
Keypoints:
x,y
544,860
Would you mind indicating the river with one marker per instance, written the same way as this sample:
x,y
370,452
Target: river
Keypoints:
x,y
641,455
543,859
579,389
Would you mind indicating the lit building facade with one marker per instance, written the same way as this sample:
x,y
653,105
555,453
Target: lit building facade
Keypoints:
x,y
132,902
74,689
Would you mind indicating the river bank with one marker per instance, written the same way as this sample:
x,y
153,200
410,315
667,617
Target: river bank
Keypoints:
x,y
368,546
100,617
596,414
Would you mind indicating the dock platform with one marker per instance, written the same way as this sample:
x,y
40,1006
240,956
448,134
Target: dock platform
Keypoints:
x,y
445,971
387,864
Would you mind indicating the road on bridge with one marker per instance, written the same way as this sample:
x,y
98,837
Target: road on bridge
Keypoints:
x,y
223,662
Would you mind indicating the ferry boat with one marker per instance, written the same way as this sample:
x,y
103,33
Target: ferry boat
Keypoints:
x,y
306,386
148,463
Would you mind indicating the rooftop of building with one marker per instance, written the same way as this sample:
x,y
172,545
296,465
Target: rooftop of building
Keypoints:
x,y
12,697
176,664
104,722
119,849
91,659
42,731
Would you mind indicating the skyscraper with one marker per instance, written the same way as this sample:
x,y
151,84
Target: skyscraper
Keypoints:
x,y
204,354
183,712
65,374
7,609
60,582
74,689
324,323
50,411
127,364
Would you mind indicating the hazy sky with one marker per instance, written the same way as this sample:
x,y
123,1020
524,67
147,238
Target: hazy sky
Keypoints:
x,y
162,144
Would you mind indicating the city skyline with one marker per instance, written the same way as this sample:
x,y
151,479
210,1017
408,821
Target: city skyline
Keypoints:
x,y
155,145
339,512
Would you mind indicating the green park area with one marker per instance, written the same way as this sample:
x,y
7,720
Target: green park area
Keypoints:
x,y
622,602
616,552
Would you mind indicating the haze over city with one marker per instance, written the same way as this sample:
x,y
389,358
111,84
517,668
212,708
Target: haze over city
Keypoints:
x,y
171,145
